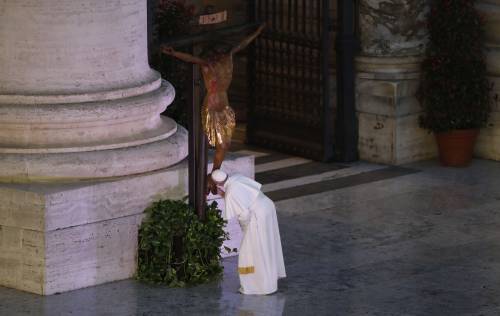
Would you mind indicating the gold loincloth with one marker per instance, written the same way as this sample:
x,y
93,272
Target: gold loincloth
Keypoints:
x,y
218,125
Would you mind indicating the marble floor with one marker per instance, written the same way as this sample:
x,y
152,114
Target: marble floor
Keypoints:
x,y
415,240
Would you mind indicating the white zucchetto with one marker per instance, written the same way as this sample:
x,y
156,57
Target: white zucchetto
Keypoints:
x,y
219,175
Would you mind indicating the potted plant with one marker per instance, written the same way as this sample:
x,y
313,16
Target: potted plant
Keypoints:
x,y
455,89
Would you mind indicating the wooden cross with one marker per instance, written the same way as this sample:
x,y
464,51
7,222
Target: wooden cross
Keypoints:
x,y
198,159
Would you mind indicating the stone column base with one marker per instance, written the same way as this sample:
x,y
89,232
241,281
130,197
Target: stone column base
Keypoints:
x,y
388,111
488,142
61,237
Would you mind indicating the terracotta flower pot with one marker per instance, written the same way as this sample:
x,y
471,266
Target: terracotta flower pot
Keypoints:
x,y
456,147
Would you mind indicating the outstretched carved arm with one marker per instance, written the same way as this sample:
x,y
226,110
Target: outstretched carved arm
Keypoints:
x,y
243,44
182,56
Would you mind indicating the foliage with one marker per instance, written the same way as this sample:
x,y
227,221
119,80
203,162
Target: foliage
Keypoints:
x,y
178,249
455,91
172,20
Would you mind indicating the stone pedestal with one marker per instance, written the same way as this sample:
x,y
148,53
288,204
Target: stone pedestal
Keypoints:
x,y
388,70
488,145
61,237
388,111
83,148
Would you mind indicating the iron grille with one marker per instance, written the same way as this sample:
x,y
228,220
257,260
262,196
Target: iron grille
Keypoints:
x,y
291,105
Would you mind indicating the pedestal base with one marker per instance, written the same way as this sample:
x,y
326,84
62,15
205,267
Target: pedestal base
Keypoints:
x,y
61,237
394,140
388,112
488,142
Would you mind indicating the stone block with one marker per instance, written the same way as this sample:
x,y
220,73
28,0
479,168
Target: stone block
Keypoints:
x,y
488,142
391,98
493,60
11,238
490,10
91,254
388,110
376,138
46,207
10,267
61,237
393,140
33,243
412,142
388,68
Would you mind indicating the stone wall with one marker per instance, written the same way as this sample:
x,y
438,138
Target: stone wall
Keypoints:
x,y
488,145
393,38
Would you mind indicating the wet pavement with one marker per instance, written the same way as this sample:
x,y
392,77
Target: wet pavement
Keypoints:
x,y
422,242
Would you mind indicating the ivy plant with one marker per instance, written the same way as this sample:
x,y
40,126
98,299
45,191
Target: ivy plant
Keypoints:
x,y
455,91
176,248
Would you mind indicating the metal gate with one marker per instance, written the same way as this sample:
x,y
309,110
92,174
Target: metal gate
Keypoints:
x,y
291,106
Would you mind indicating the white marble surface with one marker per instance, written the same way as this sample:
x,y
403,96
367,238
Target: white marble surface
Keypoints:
x,y
78,97
73,47
60,237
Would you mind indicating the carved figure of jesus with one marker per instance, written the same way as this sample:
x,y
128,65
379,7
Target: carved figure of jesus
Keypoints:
x,y
218,118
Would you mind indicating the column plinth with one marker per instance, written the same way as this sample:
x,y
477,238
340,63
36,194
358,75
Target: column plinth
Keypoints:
x,y
83,148
488,144
393,39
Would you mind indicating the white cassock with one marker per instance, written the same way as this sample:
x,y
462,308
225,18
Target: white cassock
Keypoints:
x,y
260,261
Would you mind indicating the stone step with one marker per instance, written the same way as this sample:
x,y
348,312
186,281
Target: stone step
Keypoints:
x,y
299,185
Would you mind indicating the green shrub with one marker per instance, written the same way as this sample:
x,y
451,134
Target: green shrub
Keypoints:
x,y
455,90
176,248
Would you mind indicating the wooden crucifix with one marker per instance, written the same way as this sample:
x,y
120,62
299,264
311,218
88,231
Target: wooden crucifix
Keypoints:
x,y
214,122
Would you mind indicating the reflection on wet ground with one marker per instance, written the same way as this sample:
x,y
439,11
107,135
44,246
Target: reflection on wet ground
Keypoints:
x,y
422,243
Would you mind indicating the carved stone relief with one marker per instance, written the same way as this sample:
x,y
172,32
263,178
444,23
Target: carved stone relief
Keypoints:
x,y
392,27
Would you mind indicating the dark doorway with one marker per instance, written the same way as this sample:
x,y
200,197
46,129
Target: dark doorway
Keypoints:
x,y
294,83
292,102
297,93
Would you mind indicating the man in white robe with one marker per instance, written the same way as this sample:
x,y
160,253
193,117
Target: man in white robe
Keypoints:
x,y
260,261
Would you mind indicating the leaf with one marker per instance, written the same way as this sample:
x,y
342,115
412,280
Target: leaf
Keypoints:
x,y
194,260
455,91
